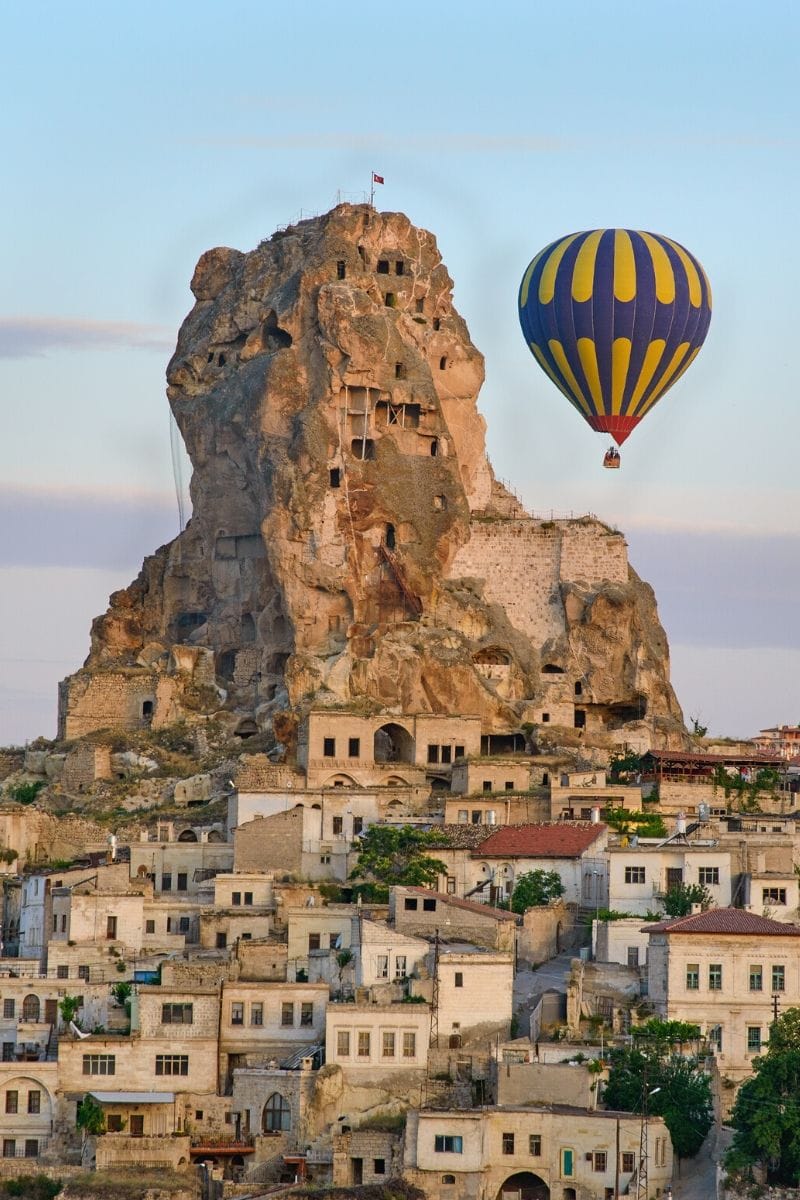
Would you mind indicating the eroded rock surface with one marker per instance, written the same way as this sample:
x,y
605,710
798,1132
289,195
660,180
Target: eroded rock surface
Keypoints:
x,y
348,541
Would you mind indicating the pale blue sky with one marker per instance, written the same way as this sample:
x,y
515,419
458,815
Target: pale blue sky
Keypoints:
x,y
137,135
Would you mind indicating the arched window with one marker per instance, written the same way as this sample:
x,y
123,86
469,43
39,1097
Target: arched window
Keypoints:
x,y
31,1008
188,835
579,688
277,1114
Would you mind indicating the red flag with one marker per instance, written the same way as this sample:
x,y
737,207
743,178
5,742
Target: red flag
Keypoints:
x,y
377,178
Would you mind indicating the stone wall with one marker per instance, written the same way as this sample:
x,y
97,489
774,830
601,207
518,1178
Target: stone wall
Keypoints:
x,y
523,562
104,700
546,931
270,843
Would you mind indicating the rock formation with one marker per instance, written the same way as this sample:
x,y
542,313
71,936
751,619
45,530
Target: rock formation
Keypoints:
x,y
348,543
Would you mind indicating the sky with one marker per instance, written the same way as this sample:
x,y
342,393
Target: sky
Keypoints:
x,y
137,135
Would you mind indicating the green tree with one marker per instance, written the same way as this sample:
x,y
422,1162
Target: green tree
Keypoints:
x,y
68,1007
31,1187
90,1117
26,793
683,1097
679,899
766,1115
621,766
626,820
535,889
388,857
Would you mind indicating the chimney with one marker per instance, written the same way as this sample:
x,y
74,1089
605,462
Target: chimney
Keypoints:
x,y
680,823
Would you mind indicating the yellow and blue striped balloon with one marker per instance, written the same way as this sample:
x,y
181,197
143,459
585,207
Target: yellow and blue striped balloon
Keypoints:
x,y
614,317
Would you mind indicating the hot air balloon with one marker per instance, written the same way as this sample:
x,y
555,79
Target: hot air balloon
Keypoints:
x,y
614,317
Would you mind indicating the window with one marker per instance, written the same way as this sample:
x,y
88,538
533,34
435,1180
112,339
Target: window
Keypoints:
x,y
237,1012
715,1037
535,1145
773,895
137,1125
379,1166
756,977
62,971
448,1180
448,1143
382,966
9,1148
779,979
429,905
409,904
633,956
334,477
31,1147
329,747
314,941
341,268
172,1064
9,1008
354,747
567,1162
287,1013
692,977
409,1045
459,979
183,925
447,754
383,266
166,881
634,875
753,1039
433,754
55,923
443,362
709,875
34,1102
400,966
451,885
149,926
111,928
600,1160
83,973
545,720
236,899
12,1102
363,1045
183,883
358,825
338,826
306,1013
508,1143
343,1043
277,1114
715,977
8,1051
487,786
114,1123
99,1064
463,816
399,267
627,1163
222,941
399,373
389,300
388,1045
177,1014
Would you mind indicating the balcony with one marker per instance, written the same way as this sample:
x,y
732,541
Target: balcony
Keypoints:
x,y
218,1147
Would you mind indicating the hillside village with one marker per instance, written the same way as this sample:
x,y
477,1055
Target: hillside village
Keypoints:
x,y
264,898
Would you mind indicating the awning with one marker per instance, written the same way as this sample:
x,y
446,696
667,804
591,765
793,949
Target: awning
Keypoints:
x,y
134,1097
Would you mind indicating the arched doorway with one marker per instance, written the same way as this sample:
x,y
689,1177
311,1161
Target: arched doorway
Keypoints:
x,y
524,1186
188,835
277,1114
31,1008
392,743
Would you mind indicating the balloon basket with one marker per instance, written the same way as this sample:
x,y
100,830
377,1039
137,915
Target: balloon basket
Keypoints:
x,y
612,460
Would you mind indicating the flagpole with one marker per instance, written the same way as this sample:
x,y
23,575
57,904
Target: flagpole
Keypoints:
x,y
372,189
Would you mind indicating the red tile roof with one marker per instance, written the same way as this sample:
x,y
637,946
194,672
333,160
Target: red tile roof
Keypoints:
x,y
485,910
556,840
725,920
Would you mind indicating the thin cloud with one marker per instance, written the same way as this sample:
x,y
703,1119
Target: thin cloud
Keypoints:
x,y
33,337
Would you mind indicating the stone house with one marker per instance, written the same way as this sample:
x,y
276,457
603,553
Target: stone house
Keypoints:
x,y
419,912
364,1156
262,1021
341,747
490,868
28,1102
503,773
722,970
383,954
558,1152
575,794
503,808
475,993
641,874
685,781
626,942
315,928
176,867
373,1039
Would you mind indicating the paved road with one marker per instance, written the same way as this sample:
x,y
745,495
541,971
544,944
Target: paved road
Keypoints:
x,y
698,1179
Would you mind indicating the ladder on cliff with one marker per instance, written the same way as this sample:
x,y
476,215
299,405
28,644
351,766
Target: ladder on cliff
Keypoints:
x,y
413,601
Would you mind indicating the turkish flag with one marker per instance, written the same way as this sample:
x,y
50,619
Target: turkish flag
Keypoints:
x,y
377,178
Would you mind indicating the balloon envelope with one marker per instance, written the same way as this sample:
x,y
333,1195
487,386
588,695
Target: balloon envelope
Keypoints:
x,y
614,317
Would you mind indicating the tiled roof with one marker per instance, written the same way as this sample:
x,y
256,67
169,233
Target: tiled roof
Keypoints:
x,y
556,840
725,920
485,910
